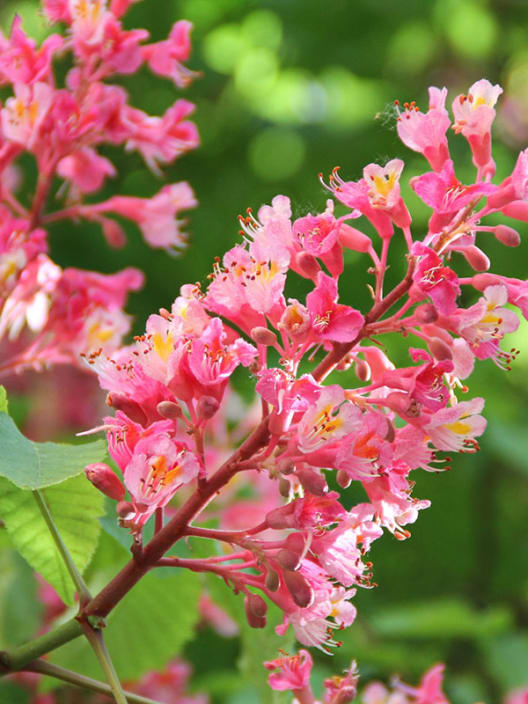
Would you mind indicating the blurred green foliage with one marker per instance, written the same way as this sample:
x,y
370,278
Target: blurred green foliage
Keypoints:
x,y
290,89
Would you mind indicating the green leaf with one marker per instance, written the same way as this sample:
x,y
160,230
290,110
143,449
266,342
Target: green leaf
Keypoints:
x,y
3,400
506,659
145,630
20,608
35,465
75,506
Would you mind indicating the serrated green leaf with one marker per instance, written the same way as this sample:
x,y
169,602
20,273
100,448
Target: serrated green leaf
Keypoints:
x,y
75,506
35,465
145,630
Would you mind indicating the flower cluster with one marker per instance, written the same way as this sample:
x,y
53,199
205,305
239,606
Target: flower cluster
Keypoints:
x,y
68,311
308,554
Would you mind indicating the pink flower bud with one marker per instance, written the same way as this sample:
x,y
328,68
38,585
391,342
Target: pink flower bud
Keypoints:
x,y
476,258
114,233
168,409
281,517
295,319
125,510
481,281
308,265
206,407
257,605
130,408
301,592
362,370
263,336
507,235
439,349
354,239
253,620
288,559
272,581
312,482
106,480
426,313
343,479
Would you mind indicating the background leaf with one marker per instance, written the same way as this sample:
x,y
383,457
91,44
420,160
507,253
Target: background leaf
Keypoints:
x,y
75,506
145,630
34,465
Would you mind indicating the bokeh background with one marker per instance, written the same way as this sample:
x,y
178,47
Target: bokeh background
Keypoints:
x,y
291,88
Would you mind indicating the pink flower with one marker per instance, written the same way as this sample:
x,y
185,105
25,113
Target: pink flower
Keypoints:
x,y
165,58
329,420
23,115
331,320
474,114
455,429
429,691
425,133
293,671
434,280
86,169
20,62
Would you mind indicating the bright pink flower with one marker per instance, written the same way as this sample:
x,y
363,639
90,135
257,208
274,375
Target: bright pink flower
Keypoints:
x,y
86,169
331,320
89,19
474,114
165,58
341,690
21,62
384,190
434,280
293,671
120,49
57,10
429,691
425,133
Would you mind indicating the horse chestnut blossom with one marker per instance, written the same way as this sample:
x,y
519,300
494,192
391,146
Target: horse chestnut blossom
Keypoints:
x,y
307,554
62,313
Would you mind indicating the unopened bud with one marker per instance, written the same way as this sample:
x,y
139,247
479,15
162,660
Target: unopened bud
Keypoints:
x,y
169,409
307,265
106,480
301,592
114,233
165,313
343,479
426,313
362,370
391,432
281,517
130,408
312,482
257,605
288,559
284,488
481,281
263,336
476,258
206,407
354,239
125,510
507,235
253,620
272,580
295,319
439,349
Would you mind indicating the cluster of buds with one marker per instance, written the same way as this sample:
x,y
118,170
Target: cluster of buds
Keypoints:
x,y
304,550
64,312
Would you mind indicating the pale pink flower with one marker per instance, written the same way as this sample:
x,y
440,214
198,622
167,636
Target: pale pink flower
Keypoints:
x,y
455,429
21,62
86,169
23,115
329,420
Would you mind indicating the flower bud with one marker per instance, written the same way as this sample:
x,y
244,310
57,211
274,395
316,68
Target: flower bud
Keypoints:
x,y
312,482
300,590
295,319
476,258
130,408
206,407
257,605
106,480
343,479
391,432
263,336
288,559
168,409
281,517
354,239
272,580
426,313
439,349
362,370
307,265
253,620
284,488
507,235
518,210
114,233
125,510
481,281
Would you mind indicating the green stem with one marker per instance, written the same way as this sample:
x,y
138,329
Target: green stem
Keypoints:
x,y
63,550
61,673
17,658
96,640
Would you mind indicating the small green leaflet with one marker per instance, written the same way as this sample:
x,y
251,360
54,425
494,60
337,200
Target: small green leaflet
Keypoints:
x,y
35,465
